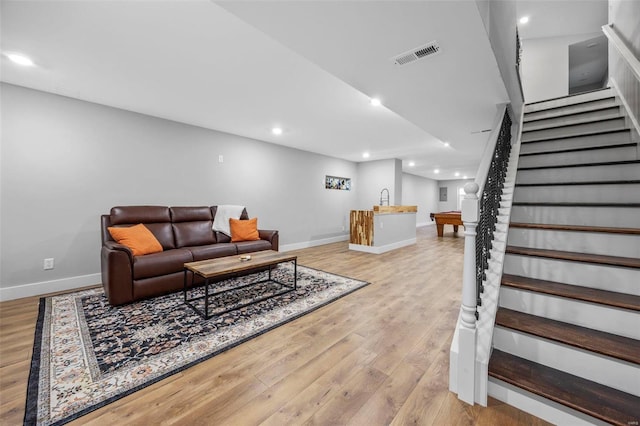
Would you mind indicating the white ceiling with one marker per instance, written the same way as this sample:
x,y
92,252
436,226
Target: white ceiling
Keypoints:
x,y
244,67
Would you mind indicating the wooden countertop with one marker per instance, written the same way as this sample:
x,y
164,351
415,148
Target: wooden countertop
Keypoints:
x,y
395,209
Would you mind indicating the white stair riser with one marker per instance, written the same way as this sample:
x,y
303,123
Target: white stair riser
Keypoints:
x,y
540,407
577,142
578,242
622,322
580,157
584,216
572,119
560,132
571,109
570,100
603,277
607,193
581,174
607,371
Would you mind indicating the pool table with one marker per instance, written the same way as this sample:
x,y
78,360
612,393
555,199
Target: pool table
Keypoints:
x,y
447,218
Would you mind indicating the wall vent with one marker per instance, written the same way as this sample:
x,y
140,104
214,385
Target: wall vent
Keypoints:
x,y
419,52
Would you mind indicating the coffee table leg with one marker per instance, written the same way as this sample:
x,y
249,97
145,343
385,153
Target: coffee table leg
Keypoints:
x,y
206,298
184,288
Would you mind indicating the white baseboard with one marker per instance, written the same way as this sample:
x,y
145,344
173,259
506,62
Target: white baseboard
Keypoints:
x,y
382,249
421,224
44,287
313,243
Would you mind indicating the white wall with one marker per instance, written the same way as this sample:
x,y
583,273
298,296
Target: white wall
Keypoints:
x,y
625,15
373,176
499,18
453,186
421,192
64,162
545,66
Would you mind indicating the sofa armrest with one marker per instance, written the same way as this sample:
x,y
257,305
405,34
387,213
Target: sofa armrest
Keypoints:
x,y
272,236
112,245
117,273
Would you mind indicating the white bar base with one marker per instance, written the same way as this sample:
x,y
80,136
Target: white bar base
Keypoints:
x,y
382,249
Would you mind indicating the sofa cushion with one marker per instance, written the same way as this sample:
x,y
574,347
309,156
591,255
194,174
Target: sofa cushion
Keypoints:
x,y
156,218
193,233
213,251
252,246
166,262
192,226
244,230
123,215
190,214
137,237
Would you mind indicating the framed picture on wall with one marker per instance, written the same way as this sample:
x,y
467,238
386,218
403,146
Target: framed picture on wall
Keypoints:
x,y
443,194
335,182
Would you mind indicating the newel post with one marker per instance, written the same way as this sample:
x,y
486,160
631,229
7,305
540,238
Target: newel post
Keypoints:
x,y
467,326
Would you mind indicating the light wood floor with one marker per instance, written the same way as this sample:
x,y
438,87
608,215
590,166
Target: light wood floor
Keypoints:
x,y
376,357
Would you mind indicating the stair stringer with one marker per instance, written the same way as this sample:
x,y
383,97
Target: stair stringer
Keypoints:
x,y
489,307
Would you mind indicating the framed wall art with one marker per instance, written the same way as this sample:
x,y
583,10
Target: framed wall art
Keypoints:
x,y
335,182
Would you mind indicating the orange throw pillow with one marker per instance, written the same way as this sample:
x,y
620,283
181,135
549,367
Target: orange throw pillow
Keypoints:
x,y
244,230
138,238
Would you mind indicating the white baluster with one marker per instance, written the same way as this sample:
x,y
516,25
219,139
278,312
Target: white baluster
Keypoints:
x,y
467,326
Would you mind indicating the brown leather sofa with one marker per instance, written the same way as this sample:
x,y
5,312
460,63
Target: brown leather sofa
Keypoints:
x,y
185,234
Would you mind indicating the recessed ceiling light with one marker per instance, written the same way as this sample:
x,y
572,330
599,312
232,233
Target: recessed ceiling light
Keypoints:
x,y
20,59
524,19
365,155
436,171
411,164
457,174
276,131
445,143
376,102
464,177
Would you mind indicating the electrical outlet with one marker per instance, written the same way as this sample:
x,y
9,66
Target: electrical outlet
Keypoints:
x,y
381,225
48,263
220,159
342,228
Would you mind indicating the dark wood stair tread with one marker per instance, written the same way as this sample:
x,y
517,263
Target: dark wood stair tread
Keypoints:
x,y
570,96
602,110
573,204
599,401
587,294
584,148
594,120
576,292
564,166
575,183
612,345
534,119
628,262
576,228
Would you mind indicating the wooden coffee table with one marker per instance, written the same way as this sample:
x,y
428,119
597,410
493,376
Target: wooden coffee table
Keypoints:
x,y
224,266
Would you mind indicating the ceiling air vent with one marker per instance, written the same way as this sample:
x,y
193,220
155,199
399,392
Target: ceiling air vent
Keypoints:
x,y
419,52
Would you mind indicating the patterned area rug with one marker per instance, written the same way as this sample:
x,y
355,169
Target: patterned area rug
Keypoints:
x,y
88,354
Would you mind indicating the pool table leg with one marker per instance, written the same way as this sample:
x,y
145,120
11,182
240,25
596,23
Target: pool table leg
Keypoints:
x,y
455,229
440,228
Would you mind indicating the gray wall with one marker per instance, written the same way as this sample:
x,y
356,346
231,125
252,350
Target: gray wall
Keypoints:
x,y
499,18
625,15
453,186
421,192
64,162
373,176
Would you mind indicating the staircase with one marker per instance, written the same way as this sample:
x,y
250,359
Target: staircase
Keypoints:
x,y
566,343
